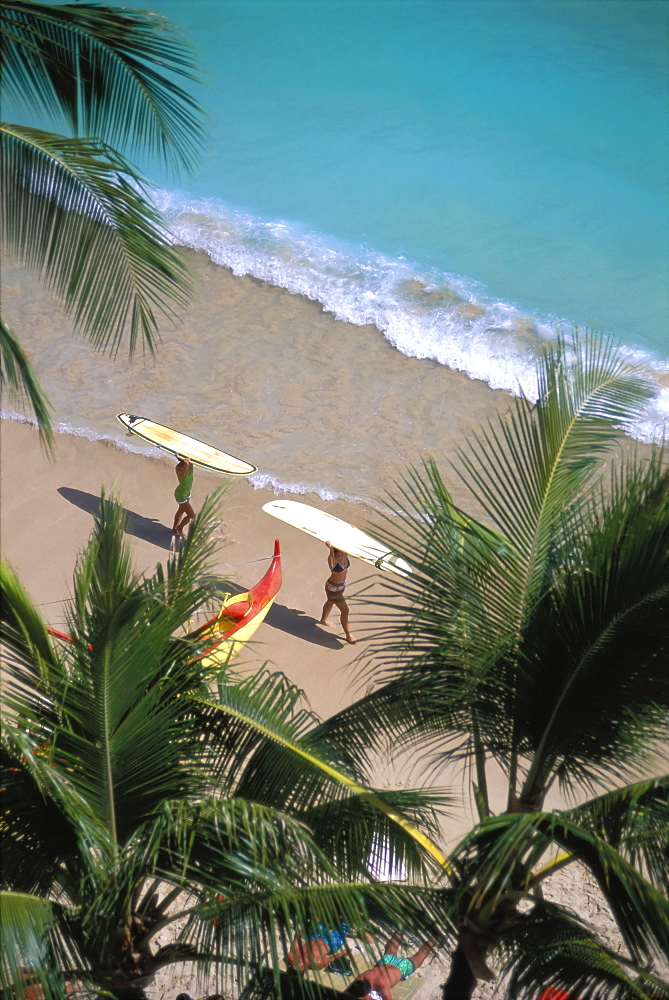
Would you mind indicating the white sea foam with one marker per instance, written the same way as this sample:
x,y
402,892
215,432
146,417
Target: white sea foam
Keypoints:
x,y
259,480
90,435
424,313
264,481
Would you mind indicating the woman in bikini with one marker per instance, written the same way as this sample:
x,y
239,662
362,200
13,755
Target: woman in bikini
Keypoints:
x,y
339,563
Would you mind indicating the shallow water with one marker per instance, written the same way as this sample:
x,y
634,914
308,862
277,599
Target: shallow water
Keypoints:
x,y
317,404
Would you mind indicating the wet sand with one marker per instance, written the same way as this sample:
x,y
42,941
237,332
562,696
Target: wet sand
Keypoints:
x,y
316,404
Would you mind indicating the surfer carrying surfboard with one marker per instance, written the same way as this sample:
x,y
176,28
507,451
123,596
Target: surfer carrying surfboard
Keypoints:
x,y
182,495
335,585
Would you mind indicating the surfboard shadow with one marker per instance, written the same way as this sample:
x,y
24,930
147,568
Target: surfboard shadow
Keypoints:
x,y
147,528
303,626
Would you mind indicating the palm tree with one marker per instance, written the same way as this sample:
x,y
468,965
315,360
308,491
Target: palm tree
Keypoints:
x,y
539,643
143,799
73,207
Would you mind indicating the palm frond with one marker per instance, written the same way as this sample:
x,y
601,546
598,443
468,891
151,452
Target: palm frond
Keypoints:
x,y
635,821
255,745
446,636
37,838
548,947
603,630
260,928
111,708
364,841
266,889
507,672
35,946
30,655
499,855
18,379
533,473
250,878
541,459
107,71
74,210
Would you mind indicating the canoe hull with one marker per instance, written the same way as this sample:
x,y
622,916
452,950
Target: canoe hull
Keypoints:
x,y
240,616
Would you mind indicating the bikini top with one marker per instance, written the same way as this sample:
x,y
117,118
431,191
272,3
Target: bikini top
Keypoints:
x,y
341,569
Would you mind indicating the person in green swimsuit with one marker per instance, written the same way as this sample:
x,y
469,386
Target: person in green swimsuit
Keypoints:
x,y
182,495
390,970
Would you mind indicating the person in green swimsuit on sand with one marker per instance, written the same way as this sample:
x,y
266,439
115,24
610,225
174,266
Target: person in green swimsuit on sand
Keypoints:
x,y
390,970
182,495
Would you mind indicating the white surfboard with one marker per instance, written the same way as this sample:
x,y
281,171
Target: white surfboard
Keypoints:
x,y
183,446
343,535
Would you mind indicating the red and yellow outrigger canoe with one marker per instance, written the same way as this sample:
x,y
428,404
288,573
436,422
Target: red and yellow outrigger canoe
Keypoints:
x,y
238,619
240,615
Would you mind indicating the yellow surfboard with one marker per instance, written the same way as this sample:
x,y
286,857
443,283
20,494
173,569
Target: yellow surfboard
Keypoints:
x,y
183,446
343,535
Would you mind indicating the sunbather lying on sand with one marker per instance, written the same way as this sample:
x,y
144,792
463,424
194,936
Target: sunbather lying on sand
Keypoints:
x,y
378,981
321,948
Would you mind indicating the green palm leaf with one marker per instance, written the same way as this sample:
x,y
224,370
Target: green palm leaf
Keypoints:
x,y
498,857
548,947
27,645
252,878
635,821
611,641
113,715
257,746
498,655
73,210
107,71
34,945
17,378
542,458
37,837
259,902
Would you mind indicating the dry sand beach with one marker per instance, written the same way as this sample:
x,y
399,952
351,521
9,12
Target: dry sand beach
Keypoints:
x,y
47,508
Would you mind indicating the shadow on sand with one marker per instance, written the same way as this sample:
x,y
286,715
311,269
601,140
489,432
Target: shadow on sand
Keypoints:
x,y
147,528
297,623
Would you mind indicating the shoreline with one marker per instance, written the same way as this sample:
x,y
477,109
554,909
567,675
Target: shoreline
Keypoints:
x,y
317,404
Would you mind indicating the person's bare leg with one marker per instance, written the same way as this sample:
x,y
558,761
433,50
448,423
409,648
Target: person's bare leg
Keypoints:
x,y
393,944
422,954
327,608
343,611
189,513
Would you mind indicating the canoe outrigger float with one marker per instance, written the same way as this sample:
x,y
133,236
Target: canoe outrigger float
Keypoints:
x,y
240,616
236,622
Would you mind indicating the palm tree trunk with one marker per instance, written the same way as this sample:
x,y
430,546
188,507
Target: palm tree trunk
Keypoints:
x,y
461,981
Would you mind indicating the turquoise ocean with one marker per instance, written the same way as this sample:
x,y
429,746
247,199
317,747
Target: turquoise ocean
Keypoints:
x,y
467,176
513,151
